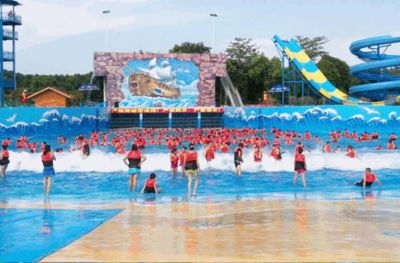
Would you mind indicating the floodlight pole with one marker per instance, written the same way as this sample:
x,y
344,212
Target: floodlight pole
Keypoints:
x,y
213,17
106,12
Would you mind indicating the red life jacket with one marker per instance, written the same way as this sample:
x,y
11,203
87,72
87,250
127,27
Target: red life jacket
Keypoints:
x,y
134,158
299,157
258,156
150,183
5,153
224,148
391,146
351,153
182,157
210,154
174,159
370,178
5,159
191,156
47,159
327,148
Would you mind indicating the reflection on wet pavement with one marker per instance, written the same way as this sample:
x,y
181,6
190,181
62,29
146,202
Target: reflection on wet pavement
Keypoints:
x,y
258,230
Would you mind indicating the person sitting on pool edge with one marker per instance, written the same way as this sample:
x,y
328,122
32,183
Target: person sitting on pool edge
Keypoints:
x,y
150,187
368,179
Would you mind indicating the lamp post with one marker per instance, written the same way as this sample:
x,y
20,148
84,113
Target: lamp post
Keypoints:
x,y
213,17
106,12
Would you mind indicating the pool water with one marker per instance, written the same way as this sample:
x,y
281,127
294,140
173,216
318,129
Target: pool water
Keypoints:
x,y
103,176
31,234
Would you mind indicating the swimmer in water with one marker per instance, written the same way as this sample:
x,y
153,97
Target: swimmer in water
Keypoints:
x,y
368,179
85,149
300,167
257,154
150,187
192,168
174,161
133,160
238,158
48,168
182,155
4,159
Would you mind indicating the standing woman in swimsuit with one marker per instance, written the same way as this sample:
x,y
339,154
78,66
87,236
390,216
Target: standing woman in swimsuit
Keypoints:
x,y
133,160
192,168
4,160
48,168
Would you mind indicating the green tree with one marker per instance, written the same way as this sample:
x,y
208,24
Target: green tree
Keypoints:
x,y
242,51
314,47
337,71
67,83
240,54
190,48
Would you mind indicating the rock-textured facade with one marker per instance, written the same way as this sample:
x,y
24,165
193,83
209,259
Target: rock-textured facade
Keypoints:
x,y
111,66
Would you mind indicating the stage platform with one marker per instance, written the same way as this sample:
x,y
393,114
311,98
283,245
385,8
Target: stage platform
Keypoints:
x,y
210,117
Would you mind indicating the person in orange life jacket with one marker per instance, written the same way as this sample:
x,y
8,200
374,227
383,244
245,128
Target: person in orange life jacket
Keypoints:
x,y
307,135
133,160
375,136
209,152
298,146
6,142
192,168
368,179
224,148
85,149
48,168
174,161
327,147
391,145
300,167
392,137
20,144
379,147
182,160
350,152
4,160
276,152
238,158
24,97
150,187
257,154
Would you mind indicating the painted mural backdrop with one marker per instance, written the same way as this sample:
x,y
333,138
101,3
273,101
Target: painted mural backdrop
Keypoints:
x,y
160,80
54,121
317,119
160,83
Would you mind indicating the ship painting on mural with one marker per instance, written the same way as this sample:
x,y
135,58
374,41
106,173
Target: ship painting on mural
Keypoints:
x,y
155,81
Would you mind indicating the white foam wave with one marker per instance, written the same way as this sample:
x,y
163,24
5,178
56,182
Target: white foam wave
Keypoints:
x,y
100,161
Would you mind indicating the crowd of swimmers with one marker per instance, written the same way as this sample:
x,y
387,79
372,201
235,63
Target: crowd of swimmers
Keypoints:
x,y
186,160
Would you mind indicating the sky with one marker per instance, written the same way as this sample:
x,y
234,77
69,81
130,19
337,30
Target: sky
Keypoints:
x,y
61,36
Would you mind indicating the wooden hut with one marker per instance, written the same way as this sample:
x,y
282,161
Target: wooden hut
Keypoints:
x,y
51,97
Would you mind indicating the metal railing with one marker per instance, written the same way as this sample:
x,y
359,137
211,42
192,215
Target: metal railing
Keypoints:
x,y
11,17
8,34
8,55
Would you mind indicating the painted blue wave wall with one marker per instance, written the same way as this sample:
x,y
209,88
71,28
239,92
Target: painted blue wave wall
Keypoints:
x,y
316,118
29,121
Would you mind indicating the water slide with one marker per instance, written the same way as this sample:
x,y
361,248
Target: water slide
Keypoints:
x,y
373,52
318,82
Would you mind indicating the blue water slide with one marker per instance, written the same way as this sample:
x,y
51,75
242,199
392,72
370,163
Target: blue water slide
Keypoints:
x,y
381,83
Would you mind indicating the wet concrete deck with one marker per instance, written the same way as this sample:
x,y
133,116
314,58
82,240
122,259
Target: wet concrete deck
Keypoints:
x,y
261,230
